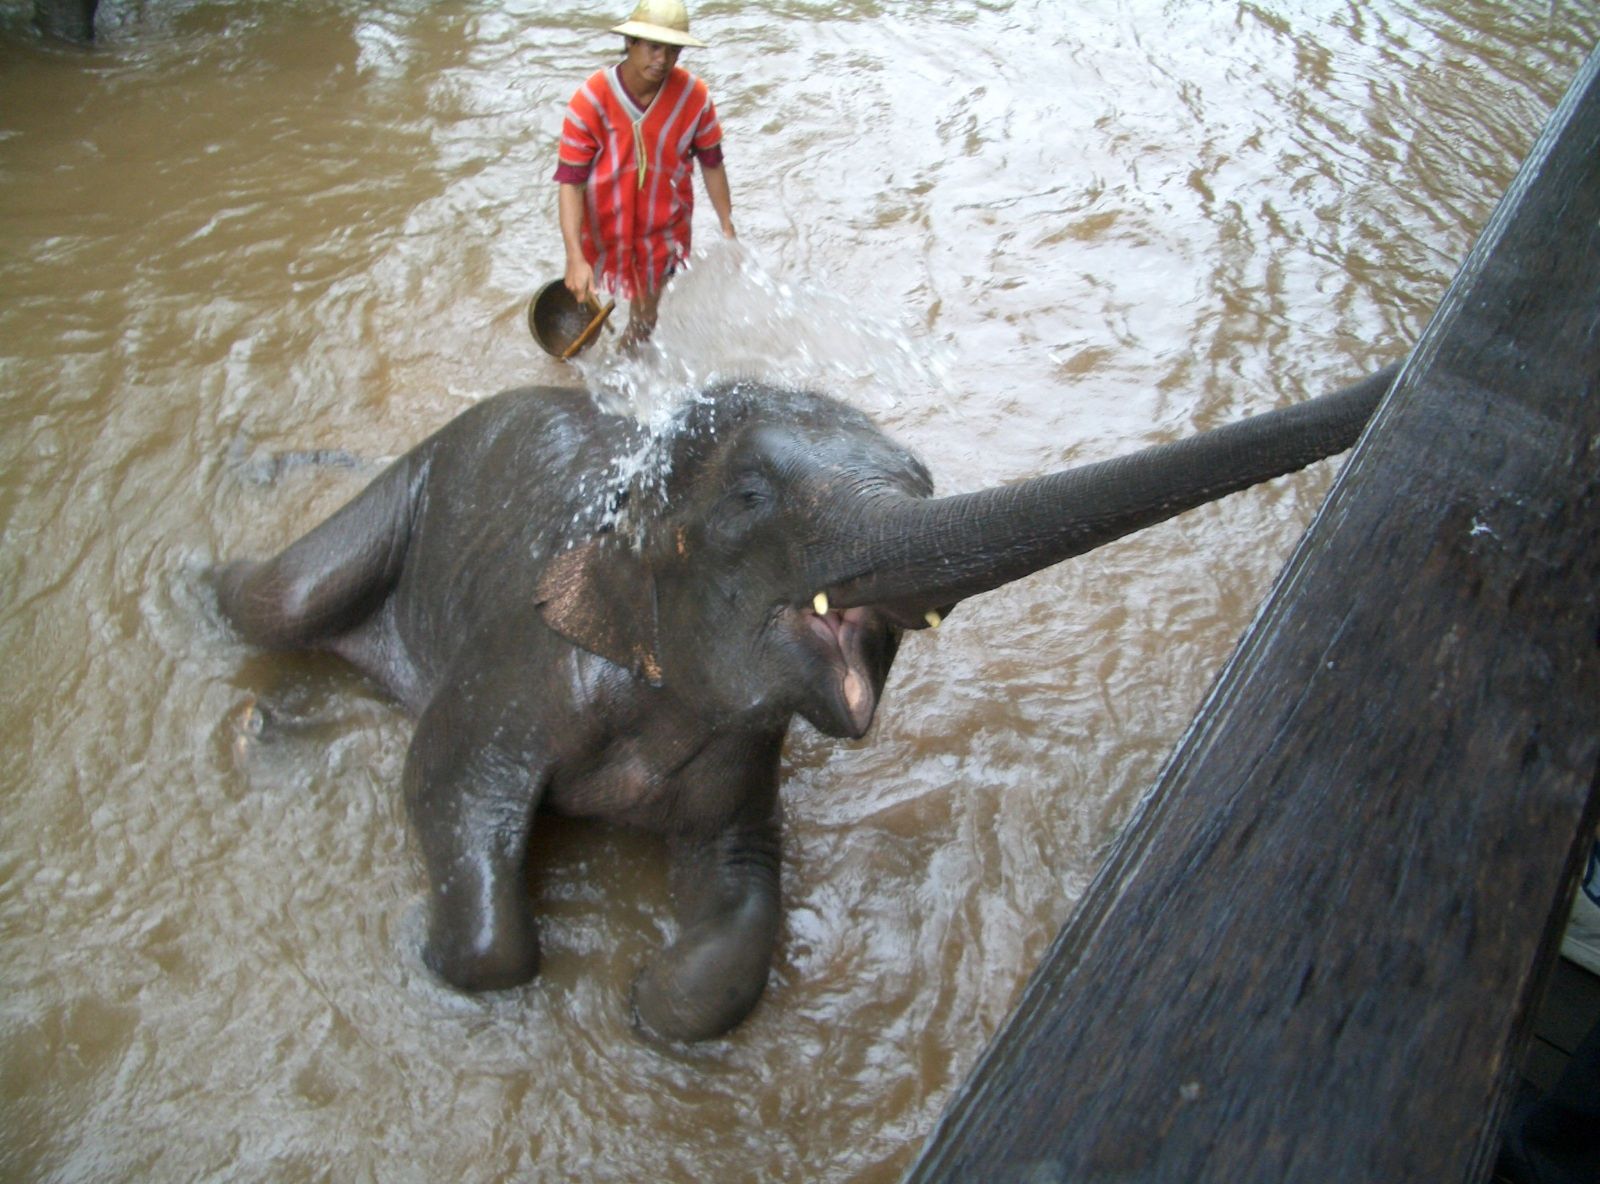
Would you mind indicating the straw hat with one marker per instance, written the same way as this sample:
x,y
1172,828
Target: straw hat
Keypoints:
x,y
664,21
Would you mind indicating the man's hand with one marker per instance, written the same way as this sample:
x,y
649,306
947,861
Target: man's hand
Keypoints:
x,y
580,280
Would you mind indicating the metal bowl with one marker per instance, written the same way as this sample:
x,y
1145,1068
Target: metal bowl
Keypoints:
x,y
558,320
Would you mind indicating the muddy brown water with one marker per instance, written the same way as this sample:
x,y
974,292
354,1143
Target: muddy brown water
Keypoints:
x,y
1021,234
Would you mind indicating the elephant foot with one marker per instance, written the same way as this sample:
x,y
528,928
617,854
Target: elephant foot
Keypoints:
x,y
232,582
709,980
475,962
246,722
291,706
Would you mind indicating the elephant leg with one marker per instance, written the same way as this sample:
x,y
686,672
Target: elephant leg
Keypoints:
x,y
472,806
728,912
331,578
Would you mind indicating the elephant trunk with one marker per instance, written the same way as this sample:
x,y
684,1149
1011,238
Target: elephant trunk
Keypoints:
x,y
919,554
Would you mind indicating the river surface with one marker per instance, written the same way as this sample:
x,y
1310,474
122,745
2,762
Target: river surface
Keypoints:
x,y
1022,235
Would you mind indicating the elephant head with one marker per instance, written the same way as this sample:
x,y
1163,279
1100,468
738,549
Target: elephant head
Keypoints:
x,y
711,580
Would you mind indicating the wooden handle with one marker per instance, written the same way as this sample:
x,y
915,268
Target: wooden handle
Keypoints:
x,y
589,331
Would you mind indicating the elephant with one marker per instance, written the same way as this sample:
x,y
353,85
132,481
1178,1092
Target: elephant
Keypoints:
x,y
594,619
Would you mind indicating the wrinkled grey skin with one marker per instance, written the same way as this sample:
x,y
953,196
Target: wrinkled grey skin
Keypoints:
x,y
70,20
636,650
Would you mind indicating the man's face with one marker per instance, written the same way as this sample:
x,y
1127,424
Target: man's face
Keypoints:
x,y
651,60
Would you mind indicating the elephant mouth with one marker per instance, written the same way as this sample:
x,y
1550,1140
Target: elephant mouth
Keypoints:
x,y
840,637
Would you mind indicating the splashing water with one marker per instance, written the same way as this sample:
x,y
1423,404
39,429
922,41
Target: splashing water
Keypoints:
x,y
727,318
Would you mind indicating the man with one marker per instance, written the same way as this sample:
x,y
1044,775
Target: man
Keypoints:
x,y
628,144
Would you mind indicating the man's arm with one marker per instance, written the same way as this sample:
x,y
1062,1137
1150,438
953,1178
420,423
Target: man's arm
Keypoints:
x,y
716,179
580,276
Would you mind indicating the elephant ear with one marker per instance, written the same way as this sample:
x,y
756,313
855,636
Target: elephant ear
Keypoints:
x,y
600,596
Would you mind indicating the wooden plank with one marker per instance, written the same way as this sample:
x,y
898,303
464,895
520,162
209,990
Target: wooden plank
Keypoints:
x,y
1313,953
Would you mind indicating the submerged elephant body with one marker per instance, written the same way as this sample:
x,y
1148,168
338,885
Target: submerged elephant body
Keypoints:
x,y
592,620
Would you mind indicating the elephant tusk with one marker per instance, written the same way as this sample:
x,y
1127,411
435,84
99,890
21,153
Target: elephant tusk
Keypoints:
x,y
932,618
819,602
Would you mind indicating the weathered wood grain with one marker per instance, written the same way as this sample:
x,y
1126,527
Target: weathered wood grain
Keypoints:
x,y
1312,954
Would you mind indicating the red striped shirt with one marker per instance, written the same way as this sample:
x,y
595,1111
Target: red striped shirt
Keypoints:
x,y
637,220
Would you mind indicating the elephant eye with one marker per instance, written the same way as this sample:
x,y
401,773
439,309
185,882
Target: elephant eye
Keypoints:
x,y
744,504
749,491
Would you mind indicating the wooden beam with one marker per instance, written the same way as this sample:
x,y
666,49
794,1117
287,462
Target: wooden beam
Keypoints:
x,y
1312,954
